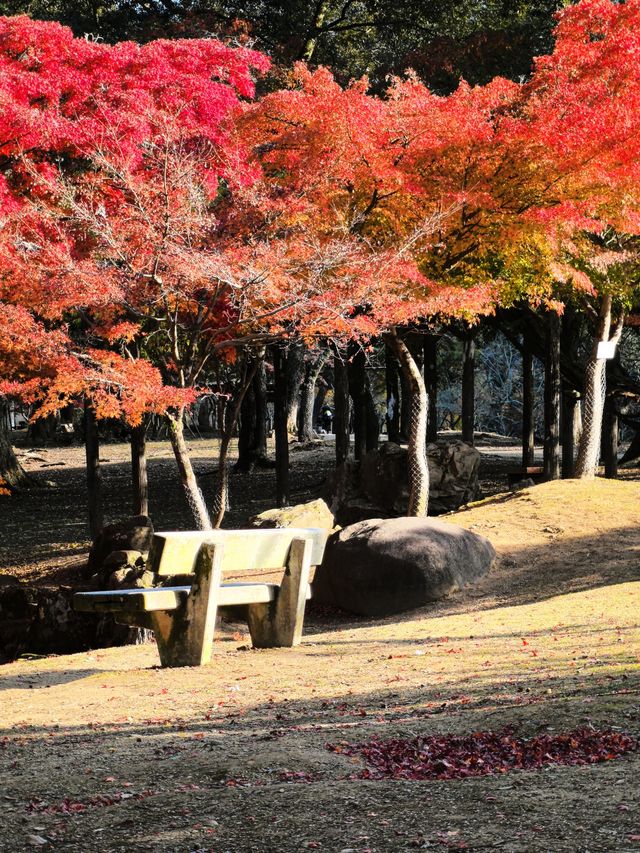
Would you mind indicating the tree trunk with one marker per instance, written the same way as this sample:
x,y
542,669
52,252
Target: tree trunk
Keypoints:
x,y
341,410
311,39
372,422
430,345
321,395
552,394
187,476
594,393
294,361
12,474
632,453
393,395
94,472
252,433
418,472
357,373
139,470
280,425
221,499
528,424
610,438
569,420
468,388
308,396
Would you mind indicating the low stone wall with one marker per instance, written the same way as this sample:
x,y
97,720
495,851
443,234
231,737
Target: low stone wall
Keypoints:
x,y
41,620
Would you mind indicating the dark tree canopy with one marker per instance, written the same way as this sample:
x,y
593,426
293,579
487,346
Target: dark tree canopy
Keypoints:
x,y
442,40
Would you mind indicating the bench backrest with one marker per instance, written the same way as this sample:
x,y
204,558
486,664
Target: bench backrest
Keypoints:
x,y
174,553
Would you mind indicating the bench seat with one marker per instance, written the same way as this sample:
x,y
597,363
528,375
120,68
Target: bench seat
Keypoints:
x,y
171,597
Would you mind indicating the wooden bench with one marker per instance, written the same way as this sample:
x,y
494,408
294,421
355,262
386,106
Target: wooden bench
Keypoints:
x,y
183,617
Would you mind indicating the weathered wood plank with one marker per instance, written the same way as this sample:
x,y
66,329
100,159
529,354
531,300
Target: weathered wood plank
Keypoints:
x,y
170,598
280,623
185,635
175,553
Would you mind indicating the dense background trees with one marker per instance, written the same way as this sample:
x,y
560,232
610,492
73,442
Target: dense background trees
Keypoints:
x,y
442,40
165,238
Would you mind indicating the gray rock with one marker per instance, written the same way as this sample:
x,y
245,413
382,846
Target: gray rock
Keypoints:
x,y
122,558
145,580
129,534
453,474
121,578
312,514
384,566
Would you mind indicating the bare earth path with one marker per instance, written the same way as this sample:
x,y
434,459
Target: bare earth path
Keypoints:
x,y
104,751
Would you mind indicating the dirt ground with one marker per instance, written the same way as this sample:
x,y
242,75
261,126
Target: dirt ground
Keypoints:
x,y
105,751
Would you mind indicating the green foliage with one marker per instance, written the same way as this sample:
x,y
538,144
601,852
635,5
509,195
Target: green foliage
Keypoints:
x,y
442,40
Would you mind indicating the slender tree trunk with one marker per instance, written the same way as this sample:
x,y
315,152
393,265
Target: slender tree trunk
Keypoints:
x,y
319,14
341,410
221,500
468,388
569,420
417,447
94,472
552,396
252,433
320,397
195,497
295,366
372,422
139,470
280,426
308,396
430,345
393,395
405,404
12,474
528,424
357,373
594,392
610,438
632,453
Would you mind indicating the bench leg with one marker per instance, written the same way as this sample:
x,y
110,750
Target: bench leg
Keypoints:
x,y
280,622
185,636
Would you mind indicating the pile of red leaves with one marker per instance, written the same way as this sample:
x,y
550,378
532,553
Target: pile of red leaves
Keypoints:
x,y
483,753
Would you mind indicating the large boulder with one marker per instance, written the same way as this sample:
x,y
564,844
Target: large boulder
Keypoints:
x,y
387,565
312,514
453,474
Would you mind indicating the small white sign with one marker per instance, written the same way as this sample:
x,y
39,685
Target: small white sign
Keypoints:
x,y
606,350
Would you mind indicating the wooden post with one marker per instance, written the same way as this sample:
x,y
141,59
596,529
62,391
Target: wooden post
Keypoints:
x,y
280,426
468,387
94,472
280,622
528,424
185,636
552,393
139,470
